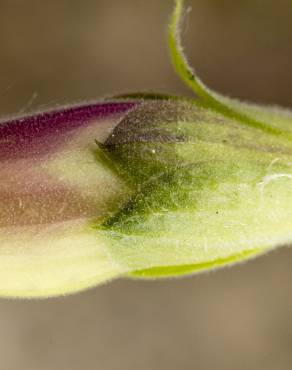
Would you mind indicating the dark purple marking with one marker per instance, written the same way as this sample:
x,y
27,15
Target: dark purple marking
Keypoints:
x,y
20,136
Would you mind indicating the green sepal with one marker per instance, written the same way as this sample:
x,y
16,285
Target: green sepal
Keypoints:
x,y
204,189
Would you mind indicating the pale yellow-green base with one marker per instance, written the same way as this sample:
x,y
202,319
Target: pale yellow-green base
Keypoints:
x,y
62,259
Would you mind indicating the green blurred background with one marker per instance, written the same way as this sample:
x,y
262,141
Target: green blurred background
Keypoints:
x,y
64,51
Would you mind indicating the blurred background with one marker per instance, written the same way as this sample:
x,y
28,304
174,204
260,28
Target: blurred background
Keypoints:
x,y
64,51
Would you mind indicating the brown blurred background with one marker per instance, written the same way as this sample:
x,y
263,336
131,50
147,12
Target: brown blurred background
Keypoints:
x,y
62,51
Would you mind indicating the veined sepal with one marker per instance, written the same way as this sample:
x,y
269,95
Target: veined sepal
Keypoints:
x,y
207,190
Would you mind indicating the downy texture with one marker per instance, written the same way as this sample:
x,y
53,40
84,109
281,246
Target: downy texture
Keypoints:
x,y
142,186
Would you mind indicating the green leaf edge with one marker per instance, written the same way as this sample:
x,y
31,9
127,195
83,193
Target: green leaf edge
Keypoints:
x,y
213,100
172,271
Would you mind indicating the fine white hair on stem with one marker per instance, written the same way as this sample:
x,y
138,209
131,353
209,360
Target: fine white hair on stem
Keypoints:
x,y
269,178
272,164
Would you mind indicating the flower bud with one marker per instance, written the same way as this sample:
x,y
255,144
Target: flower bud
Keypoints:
x,y
147,187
